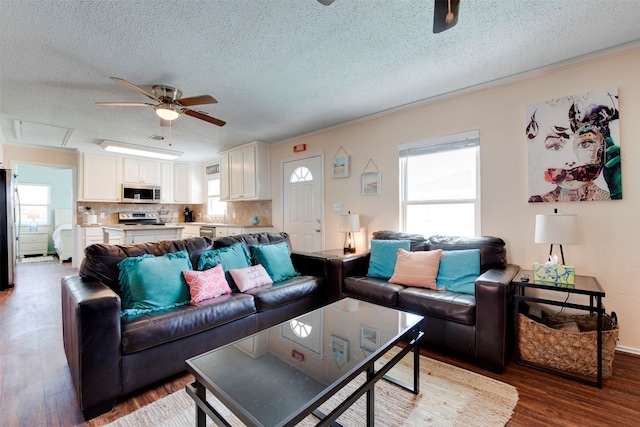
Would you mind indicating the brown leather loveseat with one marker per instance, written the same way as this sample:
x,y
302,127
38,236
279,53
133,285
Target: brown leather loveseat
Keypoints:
x,y
474,326
110,355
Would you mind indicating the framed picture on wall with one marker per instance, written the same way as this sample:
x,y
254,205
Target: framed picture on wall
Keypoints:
x,y
370,183
339,349
340,167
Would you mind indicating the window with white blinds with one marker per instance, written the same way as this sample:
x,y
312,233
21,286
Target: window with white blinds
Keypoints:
x,y
440,185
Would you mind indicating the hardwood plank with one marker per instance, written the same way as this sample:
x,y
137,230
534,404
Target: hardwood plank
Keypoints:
x,y
33,369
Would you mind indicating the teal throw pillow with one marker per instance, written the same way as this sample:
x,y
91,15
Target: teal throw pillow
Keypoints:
x,y
382,261
275,259
231,257
151,283
459,270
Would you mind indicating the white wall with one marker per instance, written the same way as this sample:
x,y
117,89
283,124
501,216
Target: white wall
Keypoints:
x,y
610,230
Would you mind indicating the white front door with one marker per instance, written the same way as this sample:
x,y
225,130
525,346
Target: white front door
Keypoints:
x,y
302,203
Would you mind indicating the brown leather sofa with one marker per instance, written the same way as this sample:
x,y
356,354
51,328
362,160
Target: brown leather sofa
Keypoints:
x,y
474,326
110,356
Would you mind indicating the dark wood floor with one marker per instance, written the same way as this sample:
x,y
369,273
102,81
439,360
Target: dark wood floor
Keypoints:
x,y
36,388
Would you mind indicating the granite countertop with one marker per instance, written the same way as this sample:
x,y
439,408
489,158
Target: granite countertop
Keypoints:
x,y
126,227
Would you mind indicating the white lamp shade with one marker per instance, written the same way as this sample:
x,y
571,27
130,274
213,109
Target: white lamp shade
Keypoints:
x,y
557,229
349,223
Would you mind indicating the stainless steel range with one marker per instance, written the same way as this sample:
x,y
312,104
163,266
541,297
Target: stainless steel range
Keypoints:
x,y
138,218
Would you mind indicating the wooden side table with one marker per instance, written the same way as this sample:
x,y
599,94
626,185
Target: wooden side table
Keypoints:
x,y
585,285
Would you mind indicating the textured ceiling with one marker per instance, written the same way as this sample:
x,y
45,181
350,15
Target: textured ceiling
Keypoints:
x,y
278,68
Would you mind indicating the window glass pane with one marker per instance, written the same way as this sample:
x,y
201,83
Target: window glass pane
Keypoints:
x,y
32,213
446,175
213,187
456,219
301,174
33,194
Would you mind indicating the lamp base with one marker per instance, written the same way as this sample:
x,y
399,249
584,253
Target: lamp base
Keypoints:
x,y
33,227
349,245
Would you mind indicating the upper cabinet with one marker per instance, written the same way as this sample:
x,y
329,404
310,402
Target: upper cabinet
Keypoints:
x,y
140,171
188,183
166,184
99,178
244,173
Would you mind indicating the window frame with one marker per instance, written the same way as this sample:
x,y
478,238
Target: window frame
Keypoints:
x,y
439,145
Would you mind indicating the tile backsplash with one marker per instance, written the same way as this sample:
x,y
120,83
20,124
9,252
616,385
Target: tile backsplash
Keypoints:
x,y
237,212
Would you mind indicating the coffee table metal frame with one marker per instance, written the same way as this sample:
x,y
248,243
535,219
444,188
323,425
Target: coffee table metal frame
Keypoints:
x,y
411,340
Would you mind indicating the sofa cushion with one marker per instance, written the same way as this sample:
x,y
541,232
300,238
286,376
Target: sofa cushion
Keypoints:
x,y
231,257
250,277
149,282
373,289
276,259
459,271
148,330
285,292
493,253
417,268
206,284
446,305
383,257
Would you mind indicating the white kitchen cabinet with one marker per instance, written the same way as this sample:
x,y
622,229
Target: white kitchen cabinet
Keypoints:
x,y
139,171
245,170
188,183
224,231
224,177
99,178
190,231
166,182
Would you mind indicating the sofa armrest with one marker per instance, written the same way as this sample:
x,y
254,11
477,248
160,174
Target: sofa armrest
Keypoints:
x,y
494,316
91,338
341,267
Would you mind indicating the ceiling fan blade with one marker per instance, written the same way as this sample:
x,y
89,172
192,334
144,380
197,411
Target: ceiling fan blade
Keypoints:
x,y
125,104
204,117
445,14
197,100
134,87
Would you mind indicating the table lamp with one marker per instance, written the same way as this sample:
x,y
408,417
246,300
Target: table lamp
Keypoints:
x,y
557,229
349,224
33,215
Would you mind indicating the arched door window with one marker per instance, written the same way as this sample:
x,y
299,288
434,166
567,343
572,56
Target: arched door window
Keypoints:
x,y
301,174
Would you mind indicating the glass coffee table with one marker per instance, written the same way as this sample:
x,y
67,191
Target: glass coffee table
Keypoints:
x,y
281,375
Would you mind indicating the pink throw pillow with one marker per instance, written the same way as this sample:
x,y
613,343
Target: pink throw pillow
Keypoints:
x,y
250,277
419,268
206,284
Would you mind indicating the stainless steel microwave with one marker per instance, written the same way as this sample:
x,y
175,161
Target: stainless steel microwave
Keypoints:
x,y
140,193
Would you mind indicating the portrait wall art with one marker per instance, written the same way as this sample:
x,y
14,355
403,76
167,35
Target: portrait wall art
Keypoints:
x,y
573,148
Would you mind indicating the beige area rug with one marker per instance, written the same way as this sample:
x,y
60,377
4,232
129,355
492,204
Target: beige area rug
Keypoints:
x,y
27,260
449,396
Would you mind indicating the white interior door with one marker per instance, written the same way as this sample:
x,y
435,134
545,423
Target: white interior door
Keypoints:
x,y
302,203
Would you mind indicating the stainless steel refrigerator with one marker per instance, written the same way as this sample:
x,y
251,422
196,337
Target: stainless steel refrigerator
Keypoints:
x,y
9,229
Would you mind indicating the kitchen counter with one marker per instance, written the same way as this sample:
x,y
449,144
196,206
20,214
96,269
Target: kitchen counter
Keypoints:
x,y
142,233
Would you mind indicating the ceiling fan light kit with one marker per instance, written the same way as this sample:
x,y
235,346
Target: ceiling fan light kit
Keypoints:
x,y
139,150
166,112
170,105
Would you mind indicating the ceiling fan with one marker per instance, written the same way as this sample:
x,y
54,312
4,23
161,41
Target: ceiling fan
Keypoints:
x,y
445,14
170,103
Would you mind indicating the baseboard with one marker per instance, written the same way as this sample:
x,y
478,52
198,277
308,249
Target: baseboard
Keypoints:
x,y
628,350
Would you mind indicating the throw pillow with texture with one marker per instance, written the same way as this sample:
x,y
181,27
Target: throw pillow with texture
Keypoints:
x,y
149,282
459,270
382,260
275,259
206,284
234,256
251,277
418,268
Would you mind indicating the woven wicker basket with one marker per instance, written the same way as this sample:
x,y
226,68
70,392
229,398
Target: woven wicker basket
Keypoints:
x,y
568,351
